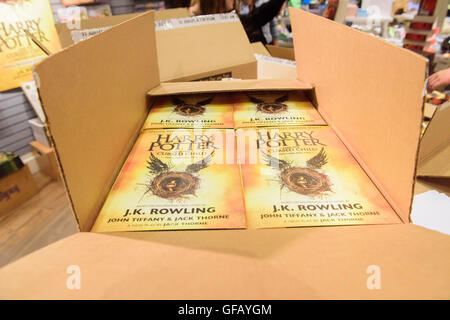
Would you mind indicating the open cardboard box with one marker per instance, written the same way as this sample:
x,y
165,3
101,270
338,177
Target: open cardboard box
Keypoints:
x,y
95,98
188,48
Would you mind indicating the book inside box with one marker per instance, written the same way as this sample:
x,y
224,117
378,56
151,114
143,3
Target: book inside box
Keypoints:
x,y
239,160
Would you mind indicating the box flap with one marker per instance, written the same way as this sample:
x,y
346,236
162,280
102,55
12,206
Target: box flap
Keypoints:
x,y
259,48
281,52
301,263
228,85
94,98
275,68
190,46
66,30
173,13
371,93
434,152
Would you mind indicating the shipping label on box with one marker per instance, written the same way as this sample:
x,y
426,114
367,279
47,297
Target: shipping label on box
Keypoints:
x,y
259,109
191,111
304,176
176,179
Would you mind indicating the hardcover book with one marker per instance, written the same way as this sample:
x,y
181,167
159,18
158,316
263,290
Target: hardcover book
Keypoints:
x,y
176,179
20,20
191,111
305,176
265,109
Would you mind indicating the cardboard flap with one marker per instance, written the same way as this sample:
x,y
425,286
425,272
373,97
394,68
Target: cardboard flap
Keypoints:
x,y
371,92
434,153
190,46
228,85
259,48
300,263
281,52
94,97
275,68
65,30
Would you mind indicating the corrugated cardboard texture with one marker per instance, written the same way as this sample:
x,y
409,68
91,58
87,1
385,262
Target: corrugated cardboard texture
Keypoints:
x,y
94,96
370,92
304,263
434,153
183,53
227,86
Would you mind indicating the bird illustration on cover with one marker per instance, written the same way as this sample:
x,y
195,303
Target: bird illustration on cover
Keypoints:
x,y
273,107
306,180
168,184
188,109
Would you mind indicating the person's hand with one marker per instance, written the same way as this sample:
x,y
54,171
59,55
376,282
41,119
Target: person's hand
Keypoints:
x,y
438,79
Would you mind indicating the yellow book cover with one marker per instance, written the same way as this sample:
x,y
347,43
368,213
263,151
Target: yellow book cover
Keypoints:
x,y
191,111
18,53
305,176
265,109
177,179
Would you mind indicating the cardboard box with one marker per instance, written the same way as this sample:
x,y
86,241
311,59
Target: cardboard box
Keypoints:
x,y
46,159
204,48
196,48
281,52
434,152
328,262
16,188
66,34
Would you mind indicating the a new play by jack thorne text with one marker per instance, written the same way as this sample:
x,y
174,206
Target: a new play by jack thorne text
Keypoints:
x,y
18,53
176,179
262,109
191,111
305,176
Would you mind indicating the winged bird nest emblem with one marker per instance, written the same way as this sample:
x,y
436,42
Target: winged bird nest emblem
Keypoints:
x,y
168,184
272,107
188,109
306,180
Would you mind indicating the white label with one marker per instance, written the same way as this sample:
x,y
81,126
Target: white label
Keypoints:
x,y
275,60
79,35
195,21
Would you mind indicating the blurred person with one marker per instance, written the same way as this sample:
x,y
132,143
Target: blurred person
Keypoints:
x,y
440,78
270,30
252,22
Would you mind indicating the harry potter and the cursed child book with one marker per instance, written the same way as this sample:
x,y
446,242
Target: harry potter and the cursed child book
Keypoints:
x,y
20,20
176,179
305,176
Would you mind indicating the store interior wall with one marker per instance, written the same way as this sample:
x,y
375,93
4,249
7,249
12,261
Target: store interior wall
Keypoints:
x,y
15,131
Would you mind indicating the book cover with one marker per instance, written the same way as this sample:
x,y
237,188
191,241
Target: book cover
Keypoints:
x,y
177,179
18,53
305,176
265,109
191,111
